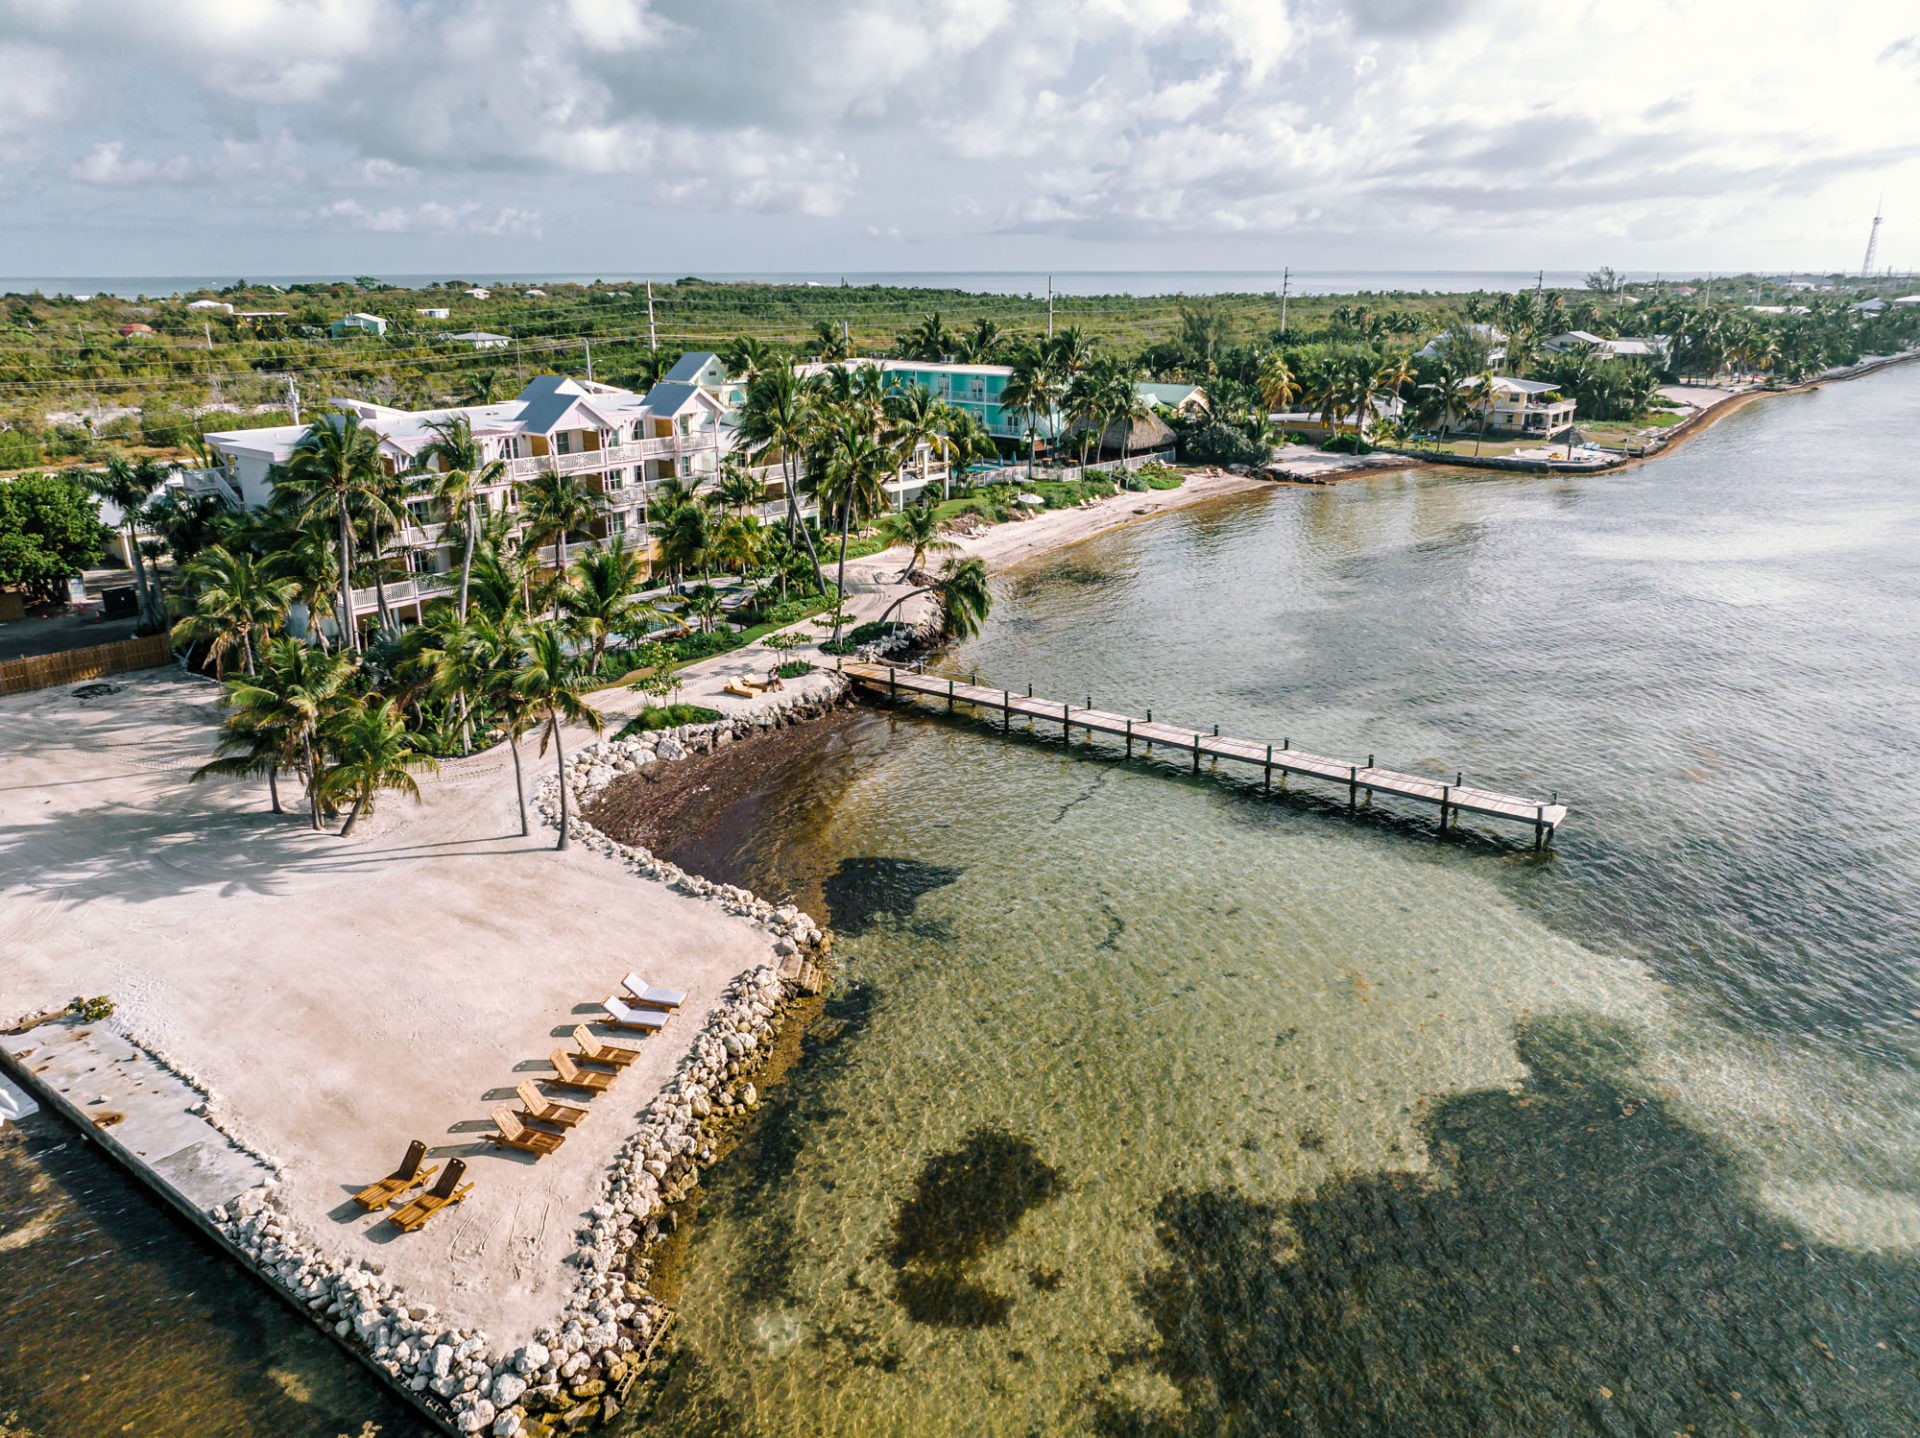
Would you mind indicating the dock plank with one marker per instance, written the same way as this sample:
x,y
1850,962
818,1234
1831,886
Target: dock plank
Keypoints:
x,y
1455,799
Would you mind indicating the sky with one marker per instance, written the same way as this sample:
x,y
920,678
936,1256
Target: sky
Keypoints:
x,y
186,137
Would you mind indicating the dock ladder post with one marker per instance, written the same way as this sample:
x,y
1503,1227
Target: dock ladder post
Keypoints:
x,y
1006,711
1353,786
893,684
949,696
1196,751
1446,794
1539,828
1269,779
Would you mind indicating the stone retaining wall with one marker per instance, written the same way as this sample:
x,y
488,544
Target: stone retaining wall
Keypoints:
x,y
569,1375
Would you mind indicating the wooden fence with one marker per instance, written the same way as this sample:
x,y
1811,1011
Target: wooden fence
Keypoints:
x,y
45,671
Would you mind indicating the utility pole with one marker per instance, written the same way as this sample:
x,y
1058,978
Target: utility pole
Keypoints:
x,y
208,327
1709,286
653,336
1286,279
846,336
1873,238
587,345
293,397
1049,306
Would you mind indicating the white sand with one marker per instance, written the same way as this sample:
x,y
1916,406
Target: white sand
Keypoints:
x,y
340,998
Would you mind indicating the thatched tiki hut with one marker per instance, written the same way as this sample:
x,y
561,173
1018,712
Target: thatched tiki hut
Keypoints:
x,y
1120,440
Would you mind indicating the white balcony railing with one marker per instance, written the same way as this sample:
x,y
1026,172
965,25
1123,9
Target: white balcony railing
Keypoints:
x,y
631,452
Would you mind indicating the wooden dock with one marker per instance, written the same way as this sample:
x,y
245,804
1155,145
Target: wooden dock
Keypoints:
x,y
1452,800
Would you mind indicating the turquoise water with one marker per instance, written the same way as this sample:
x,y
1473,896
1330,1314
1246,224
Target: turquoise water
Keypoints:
x,y
1151,1105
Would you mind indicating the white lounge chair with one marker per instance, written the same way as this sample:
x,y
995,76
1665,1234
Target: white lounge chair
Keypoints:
x,y
624,1016
647,996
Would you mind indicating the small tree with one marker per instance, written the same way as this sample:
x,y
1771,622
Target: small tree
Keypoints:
x,y
50,530
374,752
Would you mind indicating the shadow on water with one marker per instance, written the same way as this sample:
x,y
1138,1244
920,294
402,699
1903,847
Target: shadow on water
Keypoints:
x,y
196,1346
862,890
965,1202
1579,1261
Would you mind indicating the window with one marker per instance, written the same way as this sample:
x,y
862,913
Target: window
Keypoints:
x,y
563,442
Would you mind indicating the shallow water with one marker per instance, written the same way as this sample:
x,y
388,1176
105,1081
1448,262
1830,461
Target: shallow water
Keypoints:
x,y
1151,1104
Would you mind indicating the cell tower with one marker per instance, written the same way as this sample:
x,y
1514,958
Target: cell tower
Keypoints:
x,y
1873,237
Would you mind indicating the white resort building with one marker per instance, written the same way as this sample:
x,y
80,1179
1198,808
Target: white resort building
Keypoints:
x,y
619,444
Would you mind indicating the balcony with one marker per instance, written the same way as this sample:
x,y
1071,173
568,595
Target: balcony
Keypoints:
x,y
405,591
633,451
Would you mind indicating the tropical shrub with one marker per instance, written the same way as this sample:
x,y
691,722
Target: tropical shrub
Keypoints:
x,y
667,716
793,669
1222,444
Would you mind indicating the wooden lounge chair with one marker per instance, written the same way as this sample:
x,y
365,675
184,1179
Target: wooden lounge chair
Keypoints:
x,y
593,1051
514,1134
648,997
567,1076
536,1107
739,690
621,1015
425,1205
408,1175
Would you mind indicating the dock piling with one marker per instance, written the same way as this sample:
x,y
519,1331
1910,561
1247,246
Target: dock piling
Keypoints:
x,y
1451,799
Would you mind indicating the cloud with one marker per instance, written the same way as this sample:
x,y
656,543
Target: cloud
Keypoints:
x,y
1177,123
431,217
106,164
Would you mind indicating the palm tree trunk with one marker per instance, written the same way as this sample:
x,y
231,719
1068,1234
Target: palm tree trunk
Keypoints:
x,y
354,818
519,784
560,761
313,788
273,786
349,631
793,507
135,561
839,608
466,559
380,580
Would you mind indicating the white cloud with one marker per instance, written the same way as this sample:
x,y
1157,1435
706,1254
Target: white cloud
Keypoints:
x,y
432,217
106,164
1172,123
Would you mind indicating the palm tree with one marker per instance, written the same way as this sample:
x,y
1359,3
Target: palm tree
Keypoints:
x,y
778,418
919,422
685,541
1478,392
964,595
604,598
374,752
918,526
1276,381
550,684
739,543
334,464
275,718
1124,405
235,598
1034,388
982,344
703,603
829,341
854,483
747,356
464,471
927,341
736,488
483,388
129,487
385,502
557,505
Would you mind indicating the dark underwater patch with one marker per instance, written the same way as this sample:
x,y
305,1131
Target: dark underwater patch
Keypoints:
x,y
1580,1261
861,890
965,1203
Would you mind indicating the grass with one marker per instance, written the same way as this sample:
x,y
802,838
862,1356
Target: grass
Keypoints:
x,y
667,716
723,642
